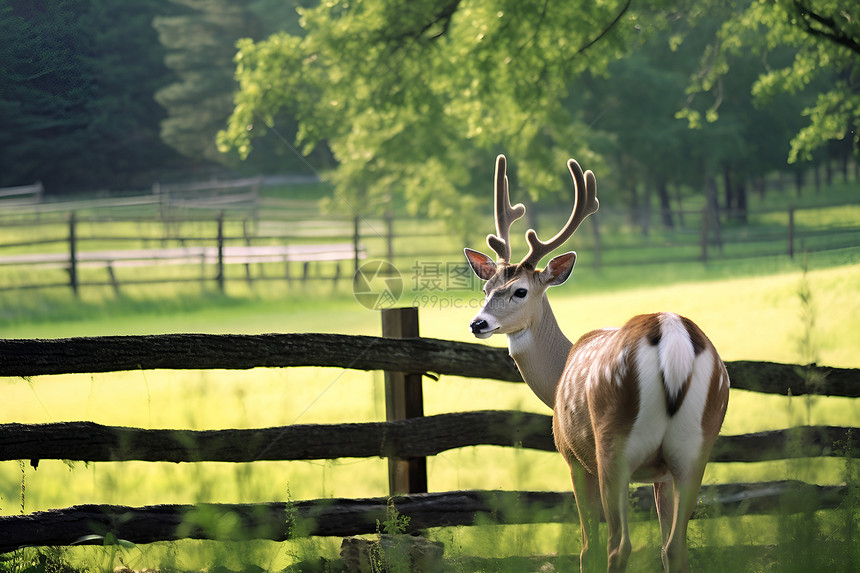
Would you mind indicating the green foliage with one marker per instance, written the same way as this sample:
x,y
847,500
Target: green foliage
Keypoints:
x,y
76,90
851,506
824,41
418,97
391,552
394,523
647,146
414,99
199,43
43,560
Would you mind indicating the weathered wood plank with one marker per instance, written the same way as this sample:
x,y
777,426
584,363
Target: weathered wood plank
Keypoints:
x,y
415,437
344,517
26,357
791,443
776,378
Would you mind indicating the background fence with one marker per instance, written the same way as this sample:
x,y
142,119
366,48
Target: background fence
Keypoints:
x,y
255,239
406,438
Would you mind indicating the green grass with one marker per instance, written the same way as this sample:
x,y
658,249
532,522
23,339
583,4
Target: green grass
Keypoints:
x,y
750,308
753,317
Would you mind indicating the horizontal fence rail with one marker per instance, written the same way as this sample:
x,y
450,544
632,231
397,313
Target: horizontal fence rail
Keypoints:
x,y
410,438
344,517
200,248
27,357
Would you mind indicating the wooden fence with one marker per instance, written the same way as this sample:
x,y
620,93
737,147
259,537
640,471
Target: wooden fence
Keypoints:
x,y
261,224
406,438
22,195
211,249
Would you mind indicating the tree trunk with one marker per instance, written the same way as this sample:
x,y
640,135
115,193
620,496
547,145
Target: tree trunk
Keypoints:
x,y
760,186
680,201
713,210
741,195
665,204
634,204
728,189
645,210
817,175
532,211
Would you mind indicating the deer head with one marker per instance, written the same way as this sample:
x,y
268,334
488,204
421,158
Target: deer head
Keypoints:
x,y
514,292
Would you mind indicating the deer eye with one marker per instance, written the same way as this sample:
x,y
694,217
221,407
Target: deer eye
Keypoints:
x,y
521,293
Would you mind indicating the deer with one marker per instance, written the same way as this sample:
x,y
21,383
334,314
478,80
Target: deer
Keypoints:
x,y
639,403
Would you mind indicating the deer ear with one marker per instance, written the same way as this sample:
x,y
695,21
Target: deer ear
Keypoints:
x,y
484,266
558,269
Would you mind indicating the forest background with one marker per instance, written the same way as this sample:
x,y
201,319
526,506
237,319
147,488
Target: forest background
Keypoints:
x,y
415,99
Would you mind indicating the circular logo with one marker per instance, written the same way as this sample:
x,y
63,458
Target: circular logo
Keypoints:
x,y
377,285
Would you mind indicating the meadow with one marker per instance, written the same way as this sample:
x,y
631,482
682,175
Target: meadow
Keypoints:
x,y
769,308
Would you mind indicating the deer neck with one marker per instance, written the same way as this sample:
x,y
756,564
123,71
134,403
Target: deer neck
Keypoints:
x,y
540,351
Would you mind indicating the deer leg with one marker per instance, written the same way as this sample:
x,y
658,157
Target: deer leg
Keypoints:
x,y
663,498
613,496
686,494
587,495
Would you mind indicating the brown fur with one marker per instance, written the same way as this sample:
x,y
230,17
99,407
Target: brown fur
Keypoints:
x,y
715,406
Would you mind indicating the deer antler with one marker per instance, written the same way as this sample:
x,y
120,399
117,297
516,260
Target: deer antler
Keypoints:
x,y
585,203
505,214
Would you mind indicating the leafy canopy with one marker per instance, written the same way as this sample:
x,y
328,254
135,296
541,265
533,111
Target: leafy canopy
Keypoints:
x,y
824,37
421,94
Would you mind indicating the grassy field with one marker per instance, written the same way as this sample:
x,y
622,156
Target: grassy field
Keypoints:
x,y
757,318
752,309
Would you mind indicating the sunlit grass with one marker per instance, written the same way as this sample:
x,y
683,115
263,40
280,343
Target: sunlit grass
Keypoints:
x,y
748,317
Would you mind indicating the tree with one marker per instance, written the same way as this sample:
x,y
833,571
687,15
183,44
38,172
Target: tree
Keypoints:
x,y
200,43
129,67
76,84
636,105
825,38
43,90
420,95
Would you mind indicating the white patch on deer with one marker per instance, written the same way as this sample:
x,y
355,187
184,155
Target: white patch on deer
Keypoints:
x,y
589,357
520,341
651,420
676,353
683,441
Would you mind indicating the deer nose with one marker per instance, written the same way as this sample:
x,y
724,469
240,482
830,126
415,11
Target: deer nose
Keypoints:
x,y
478,325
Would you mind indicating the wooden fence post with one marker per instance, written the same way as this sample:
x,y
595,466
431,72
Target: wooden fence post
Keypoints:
x,y
73,254
389,234
220,276
356,236
404,399
791,232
